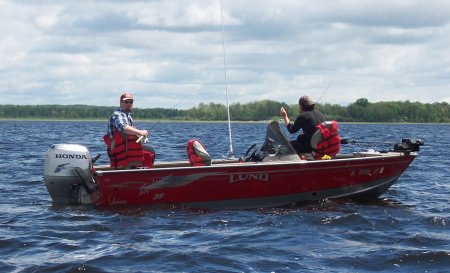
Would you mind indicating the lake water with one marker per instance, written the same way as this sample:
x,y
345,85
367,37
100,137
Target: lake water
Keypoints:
x,y
406,230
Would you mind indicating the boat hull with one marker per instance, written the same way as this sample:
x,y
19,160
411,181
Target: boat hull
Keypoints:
x,y
251,185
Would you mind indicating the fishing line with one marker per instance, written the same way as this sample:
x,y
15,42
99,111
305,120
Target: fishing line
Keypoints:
x,y
144,140
173,107
323,93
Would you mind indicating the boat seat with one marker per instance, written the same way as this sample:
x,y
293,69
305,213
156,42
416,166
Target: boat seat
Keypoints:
x,y
317,136
197,154
326,140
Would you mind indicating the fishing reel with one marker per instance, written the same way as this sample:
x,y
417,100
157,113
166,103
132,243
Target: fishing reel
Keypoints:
x,y
142,139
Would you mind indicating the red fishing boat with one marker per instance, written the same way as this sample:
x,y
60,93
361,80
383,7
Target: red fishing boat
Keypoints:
x,y
269,176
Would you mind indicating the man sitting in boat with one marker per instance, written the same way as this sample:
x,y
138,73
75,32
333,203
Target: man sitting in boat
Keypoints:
x,y
122,143
307,120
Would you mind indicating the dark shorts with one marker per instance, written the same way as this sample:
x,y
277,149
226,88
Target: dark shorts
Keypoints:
x,y
300,145
148,148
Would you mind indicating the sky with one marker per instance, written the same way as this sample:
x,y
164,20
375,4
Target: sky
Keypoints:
x,y
173,54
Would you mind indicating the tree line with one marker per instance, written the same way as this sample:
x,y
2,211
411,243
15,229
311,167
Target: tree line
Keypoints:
x,y
360,111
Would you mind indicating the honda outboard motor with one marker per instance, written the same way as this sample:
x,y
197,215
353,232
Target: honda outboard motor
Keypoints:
x,y
67,167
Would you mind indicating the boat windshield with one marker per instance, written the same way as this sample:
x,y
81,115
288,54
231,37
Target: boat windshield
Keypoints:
x,y
276,141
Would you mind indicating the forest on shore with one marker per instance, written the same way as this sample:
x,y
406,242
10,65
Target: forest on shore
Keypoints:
x,y
360,111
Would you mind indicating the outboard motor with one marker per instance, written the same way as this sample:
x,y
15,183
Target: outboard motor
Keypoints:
x,y
67,172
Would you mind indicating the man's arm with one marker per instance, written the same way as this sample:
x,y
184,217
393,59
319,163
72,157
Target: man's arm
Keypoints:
x,y
130,130
284,115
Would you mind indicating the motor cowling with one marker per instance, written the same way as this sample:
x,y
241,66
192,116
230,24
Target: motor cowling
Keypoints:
x,y
60,178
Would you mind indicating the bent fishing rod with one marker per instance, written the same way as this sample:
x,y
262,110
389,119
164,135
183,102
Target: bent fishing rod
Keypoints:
x,y
143,139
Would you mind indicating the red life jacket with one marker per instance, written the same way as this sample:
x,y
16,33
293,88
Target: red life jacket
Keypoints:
x,y
197,154
331,141
126,152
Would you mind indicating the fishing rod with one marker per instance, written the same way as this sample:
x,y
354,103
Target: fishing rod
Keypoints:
x,y
144,140
317,101
323,93
230,154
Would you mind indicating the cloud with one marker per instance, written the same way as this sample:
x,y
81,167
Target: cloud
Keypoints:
x,y
88,52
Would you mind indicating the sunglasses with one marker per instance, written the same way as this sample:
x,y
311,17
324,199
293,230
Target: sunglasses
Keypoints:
x,y
128,101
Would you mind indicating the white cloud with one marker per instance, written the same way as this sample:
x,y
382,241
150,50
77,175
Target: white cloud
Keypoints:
x,y
88,52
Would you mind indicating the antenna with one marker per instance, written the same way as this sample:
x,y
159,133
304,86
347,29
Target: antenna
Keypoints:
x,y
230,154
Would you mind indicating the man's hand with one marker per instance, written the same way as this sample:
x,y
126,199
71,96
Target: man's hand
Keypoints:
x,y
143,133
284,115
283,112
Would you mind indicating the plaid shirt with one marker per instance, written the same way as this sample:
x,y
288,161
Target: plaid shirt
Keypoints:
x,y
118,120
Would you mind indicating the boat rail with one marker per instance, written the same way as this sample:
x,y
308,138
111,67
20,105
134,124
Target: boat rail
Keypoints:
x,y
223,162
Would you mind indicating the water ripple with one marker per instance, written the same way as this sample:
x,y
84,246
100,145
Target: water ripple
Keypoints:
x,y
404,231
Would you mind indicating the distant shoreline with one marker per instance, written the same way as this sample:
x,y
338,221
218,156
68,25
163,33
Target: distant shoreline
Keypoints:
x,y
261,111
135,119
208,121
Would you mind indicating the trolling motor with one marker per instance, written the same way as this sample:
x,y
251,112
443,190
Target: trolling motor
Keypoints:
x,y
406,146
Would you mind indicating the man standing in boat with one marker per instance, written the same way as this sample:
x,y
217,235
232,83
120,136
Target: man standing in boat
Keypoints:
x,y
122,136
307,120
